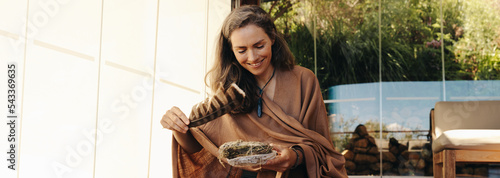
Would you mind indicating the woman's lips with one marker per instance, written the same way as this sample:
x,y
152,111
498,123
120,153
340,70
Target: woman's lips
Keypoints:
x,y
256,64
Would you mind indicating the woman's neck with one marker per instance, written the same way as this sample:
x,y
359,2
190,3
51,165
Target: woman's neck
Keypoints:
x,y
264,78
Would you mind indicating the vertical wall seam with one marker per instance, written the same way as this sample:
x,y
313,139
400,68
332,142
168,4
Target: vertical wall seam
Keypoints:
x,y
314,38
205,61
154,86
442,52
98,88
380,77
22,93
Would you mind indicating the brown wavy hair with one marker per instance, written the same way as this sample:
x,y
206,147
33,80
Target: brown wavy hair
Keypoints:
x,y
227,69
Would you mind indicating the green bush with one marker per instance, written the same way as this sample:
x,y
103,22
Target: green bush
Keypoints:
x,y
410,49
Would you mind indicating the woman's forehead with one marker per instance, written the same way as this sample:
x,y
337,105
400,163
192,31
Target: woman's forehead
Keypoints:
x,y
248,35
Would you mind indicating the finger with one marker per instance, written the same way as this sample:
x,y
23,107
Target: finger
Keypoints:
x,y
177,125
176,115
275,165
277,160
180,114
178,129
283,159
277,148
180,124
252,168
164,123
172,122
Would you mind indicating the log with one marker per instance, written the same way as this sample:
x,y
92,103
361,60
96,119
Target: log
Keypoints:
x,y
363,172
385,166
373,151
361,130
481,171
361,143
388,157
402,148
365,159
360,150
415,164
371,140
351,166
404,155
348,155
375,167
394,150
414,156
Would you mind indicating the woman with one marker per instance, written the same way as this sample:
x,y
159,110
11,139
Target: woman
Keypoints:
x,y
283,106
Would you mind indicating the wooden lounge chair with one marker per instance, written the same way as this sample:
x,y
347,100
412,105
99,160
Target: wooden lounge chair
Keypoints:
x,y
467,131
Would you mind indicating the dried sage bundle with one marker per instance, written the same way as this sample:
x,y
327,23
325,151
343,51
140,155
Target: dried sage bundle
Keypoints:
x,y
243,153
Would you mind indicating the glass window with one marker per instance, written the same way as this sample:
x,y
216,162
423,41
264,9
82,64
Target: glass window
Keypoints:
x,y
383,64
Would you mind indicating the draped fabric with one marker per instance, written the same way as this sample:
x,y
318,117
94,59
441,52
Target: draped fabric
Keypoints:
x,y
295,116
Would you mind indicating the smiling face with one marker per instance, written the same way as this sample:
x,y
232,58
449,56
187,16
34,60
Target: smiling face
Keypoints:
x,y
252,48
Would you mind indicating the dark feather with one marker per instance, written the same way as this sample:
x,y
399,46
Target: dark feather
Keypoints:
x,y
217,105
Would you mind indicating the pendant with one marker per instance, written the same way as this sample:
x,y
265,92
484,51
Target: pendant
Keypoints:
x,y
259,107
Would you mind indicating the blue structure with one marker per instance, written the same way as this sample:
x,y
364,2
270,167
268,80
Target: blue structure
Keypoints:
x,y
403,105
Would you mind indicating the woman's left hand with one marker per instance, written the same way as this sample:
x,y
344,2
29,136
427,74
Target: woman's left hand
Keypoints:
x,y
283,161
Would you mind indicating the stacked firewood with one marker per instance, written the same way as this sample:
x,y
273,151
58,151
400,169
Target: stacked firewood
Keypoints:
x,y
363,158
473,170
362,155
402,165
416,163
428,158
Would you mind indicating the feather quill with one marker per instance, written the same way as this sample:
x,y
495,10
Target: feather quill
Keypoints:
x,y
222,102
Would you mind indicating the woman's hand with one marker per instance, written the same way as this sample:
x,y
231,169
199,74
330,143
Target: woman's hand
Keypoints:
x,y
285,159
175,120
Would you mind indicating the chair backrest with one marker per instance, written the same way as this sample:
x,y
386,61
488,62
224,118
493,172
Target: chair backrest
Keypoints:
x,y
450,115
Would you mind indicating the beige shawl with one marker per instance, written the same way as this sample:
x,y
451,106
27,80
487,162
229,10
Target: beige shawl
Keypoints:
x,y
296,116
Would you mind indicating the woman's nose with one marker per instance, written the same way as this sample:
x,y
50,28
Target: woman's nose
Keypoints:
x,y
252,55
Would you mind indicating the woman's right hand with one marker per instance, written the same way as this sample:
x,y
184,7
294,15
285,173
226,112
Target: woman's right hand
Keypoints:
x,y
175,120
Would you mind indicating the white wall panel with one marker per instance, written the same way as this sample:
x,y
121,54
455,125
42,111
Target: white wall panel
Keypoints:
x,y
77,85
12,29
59,109
129,33
180,58
128,46
186,35
60,92
217,12
12,16
74,25
124,124
166,96
181,42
